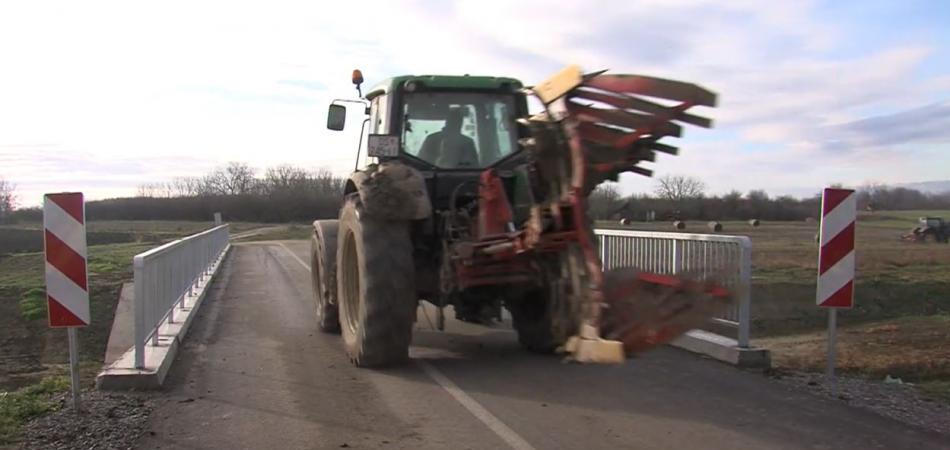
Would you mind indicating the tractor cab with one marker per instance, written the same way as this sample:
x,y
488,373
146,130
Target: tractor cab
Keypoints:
x,y
450,128
931,222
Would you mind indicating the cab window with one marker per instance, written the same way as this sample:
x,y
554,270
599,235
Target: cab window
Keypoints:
x,y
458,130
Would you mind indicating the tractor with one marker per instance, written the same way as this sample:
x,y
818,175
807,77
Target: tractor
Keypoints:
x,y
469,199
933,229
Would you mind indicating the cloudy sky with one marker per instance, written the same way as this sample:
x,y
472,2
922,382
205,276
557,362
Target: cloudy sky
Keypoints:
x,y
103,96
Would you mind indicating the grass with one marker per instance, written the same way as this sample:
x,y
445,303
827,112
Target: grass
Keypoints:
x,y
33,304
28,344
19,406
289,232
937,389
913,348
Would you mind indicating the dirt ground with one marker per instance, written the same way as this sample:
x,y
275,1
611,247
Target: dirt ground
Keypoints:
x,y
29,350
900,325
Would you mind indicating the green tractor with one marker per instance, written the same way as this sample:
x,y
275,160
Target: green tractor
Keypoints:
x,y
466,199
933,229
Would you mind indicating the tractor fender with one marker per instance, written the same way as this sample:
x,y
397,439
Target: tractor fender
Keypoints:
x,y
391,191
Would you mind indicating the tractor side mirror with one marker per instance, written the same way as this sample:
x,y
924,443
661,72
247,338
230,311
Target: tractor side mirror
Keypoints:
x,y
336,117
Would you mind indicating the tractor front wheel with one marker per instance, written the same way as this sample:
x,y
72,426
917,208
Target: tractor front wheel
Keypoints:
x,y
323,274
545,318
375,287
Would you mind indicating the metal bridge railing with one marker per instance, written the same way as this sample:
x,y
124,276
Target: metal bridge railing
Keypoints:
x,y
165,276
726,260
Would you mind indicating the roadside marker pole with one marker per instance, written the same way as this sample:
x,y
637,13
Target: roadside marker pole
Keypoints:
x,y
832,332
74,367
836,264
67,280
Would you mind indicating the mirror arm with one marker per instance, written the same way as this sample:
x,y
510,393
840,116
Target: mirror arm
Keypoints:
x,y
361,101
359,147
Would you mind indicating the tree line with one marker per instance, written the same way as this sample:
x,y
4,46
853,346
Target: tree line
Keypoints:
x,y
286,193
7,200
677,197
240,193
283,193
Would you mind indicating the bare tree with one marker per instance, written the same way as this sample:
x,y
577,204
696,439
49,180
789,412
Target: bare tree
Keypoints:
x,y
604,201
234,179
677,188
326,183
146,190
7,199
285,178
185,187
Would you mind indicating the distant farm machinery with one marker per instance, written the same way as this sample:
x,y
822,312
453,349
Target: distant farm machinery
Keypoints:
x,y
929,229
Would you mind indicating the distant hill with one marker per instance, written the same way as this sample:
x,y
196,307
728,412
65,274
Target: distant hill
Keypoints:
x,y
929,187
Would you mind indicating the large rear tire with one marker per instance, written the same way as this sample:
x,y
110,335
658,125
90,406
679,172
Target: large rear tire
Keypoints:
x,y
323,274
375,287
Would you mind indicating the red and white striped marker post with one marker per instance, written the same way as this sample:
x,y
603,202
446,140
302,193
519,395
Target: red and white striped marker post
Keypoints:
x,y
67,281
836,263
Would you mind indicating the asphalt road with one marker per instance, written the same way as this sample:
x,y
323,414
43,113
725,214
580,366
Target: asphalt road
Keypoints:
x,y
257,373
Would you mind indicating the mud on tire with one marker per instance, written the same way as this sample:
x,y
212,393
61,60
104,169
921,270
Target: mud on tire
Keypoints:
x,y
375,287
323,274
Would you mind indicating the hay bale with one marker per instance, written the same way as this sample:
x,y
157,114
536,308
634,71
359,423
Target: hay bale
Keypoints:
x,y
679,225
754,222
714,226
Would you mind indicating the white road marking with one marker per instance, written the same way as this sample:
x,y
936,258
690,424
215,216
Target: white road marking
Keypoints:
x,y
493,423
294,256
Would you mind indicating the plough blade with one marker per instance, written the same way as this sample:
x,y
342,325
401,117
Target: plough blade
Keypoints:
x,y
625,119
654,87
646,310
629,102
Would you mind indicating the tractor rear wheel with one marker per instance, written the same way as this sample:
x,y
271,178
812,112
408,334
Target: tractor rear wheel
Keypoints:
x,y
323,274
375,287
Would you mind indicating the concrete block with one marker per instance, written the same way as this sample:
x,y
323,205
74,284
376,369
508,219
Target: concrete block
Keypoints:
x,y
724,349
122,373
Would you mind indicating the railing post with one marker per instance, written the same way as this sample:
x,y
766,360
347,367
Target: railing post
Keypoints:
x,y
677,256
138,305
745,294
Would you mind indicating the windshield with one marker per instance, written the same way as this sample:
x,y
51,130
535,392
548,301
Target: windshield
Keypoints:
x,y
459,130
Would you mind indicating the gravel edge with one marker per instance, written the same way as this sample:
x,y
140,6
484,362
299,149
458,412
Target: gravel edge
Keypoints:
x,y
108,421
901,402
